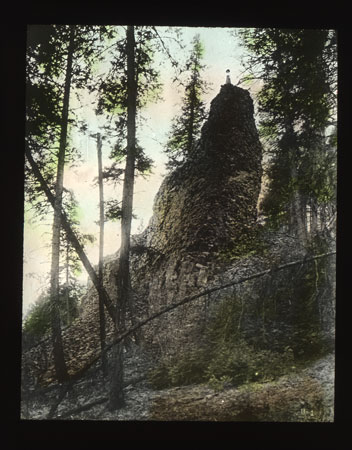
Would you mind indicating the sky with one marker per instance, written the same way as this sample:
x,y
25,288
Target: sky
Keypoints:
x,y
222,52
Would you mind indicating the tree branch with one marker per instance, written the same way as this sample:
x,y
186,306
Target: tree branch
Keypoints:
x,y
173,60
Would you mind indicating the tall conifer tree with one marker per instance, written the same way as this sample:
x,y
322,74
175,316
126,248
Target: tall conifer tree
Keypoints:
x,y
52,55
297,104
185,129
131,83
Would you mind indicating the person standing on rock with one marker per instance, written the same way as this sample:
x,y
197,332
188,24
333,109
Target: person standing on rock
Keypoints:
x,y
228,79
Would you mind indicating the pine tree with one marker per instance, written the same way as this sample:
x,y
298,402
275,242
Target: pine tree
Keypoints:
x,y
123,281
70,264
297,104
185,129
131,83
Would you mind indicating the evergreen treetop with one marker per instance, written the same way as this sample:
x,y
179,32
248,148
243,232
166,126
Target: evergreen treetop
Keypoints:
x,y
185,129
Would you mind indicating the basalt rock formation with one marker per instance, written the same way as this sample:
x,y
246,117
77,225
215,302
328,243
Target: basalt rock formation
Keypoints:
x,y
204,209
210,202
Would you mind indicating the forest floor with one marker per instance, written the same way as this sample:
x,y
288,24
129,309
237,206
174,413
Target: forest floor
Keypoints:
x,y
304,395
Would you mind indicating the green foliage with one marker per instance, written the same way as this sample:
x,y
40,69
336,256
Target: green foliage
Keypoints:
x,y
185,129
237,362
113,89
219,384
187,368
224,358
38,321
112,100
46,60
249,243
297,103
113,210
72,265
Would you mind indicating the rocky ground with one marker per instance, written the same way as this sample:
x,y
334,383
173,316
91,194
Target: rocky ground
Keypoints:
x,y
304,395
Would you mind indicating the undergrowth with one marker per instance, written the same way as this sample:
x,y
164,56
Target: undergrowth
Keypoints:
x,y
258,334
224,359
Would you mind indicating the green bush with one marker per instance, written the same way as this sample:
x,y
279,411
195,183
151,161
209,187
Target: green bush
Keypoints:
x,y
232,363
159,377
38,321
186,368
240,363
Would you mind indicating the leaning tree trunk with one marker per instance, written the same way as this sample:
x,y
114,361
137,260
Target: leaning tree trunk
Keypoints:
x,y
101,257
58,352
72,238
123,281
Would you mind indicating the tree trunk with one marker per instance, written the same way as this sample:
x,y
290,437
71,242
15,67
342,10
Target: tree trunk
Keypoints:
x,y
67,286
314,226
101,257
58,352
297,205
191,122
298,222
72,237
123,282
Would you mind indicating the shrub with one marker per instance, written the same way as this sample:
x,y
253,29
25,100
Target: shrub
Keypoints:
x,y
38,322
241,363
186,368
224,358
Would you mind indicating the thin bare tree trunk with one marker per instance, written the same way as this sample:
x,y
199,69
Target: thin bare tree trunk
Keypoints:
x,y
101,257
58,352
